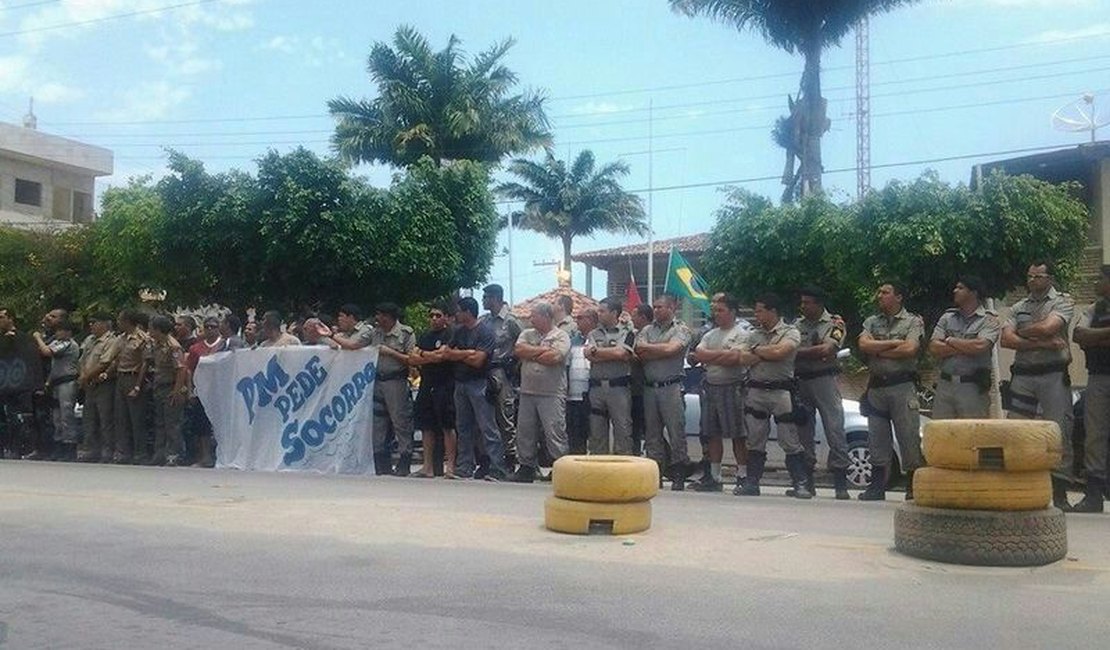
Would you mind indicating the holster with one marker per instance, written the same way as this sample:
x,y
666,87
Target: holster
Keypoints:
x,y
1006,393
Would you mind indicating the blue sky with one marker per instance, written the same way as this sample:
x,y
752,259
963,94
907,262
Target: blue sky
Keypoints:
x,y
223,80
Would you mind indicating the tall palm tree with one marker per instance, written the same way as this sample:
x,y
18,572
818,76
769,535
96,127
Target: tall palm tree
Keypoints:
x,y
564,203
808,27
438,104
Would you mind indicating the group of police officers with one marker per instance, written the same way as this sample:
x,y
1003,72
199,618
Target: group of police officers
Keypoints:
x,y
497,399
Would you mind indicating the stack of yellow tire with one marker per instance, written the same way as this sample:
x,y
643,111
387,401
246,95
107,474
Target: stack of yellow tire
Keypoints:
x,y
601,494
985,499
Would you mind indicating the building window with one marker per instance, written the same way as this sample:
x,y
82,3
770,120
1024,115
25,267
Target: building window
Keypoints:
x,y
82,207
28,192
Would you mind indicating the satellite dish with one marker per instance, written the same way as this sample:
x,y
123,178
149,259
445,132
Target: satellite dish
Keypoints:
x,y
1080,116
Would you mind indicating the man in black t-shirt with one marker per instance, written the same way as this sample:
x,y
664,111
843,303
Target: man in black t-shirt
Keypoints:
x,y
435,401
470,351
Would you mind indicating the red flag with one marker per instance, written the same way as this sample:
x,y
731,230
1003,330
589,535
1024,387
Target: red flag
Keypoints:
x,y
632,294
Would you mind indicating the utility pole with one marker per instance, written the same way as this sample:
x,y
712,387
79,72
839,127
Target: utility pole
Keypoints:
x,y
863,107
651,194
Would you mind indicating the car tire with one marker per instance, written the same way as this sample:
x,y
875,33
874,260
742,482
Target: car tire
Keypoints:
x,y
584,517
982,490
605,479
981,538
1008,445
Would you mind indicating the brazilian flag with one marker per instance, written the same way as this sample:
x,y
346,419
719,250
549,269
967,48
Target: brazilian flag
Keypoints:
x,y
684,282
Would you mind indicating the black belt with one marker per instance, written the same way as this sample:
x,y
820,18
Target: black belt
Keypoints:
x,y
392,376
127,372
62,380
664,383
814,374
782,384
882,381
961,379
502,364
1039,369
615,382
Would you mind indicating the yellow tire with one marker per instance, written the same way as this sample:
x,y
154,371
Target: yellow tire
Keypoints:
x,y
982,490
1008,445
583,517
605,479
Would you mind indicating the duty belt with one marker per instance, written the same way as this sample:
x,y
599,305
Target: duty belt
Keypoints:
x,y
814,374
964,379
1040,368
664,383
782,384
392,376
615,382
882,381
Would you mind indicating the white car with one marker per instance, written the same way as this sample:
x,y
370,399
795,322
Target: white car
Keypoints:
x,y
855,428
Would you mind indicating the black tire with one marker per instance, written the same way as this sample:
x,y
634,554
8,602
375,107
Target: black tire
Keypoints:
x,y
980,537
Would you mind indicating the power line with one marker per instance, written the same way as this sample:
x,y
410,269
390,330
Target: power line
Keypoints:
x,y
28,5
144,12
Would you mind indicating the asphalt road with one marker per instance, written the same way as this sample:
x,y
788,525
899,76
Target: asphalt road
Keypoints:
x,y
135,557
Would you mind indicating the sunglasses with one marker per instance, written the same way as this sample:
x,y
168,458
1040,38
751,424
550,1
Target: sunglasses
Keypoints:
x,y
436,314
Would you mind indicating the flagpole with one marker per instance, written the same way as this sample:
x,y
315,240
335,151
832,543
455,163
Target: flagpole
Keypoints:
x,y
670,264
651,194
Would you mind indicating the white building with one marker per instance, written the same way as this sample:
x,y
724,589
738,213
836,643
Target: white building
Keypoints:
x,y
47,181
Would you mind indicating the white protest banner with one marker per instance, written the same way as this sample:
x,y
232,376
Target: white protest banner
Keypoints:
x,y
291,408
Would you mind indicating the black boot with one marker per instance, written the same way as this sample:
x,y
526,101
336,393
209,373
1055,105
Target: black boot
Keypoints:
x,y
1060,494
708,483
796,465
523,474
876,490
678,474
1093,499
909,485
404,465
382,464
840,484
482,470
756,462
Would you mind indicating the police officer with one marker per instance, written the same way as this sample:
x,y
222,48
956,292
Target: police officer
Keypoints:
x,y
769,354
171,391
963,340
542,350
392,396
1037,331
890,342
98,418
722,396
129,367
503,372
609,351
564,315
640,318
1093,335
816,367
351,333
578,382
661,346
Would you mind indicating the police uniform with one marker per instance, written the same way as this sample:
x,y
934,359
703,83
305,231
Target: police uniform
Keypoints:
x,y
64,370
892,394
722,395
611,392
98,418
392,397
1040,386
963,389
167,358
819,392
130,410
568,325
769,395
543,391
1097,411
663,403
502,370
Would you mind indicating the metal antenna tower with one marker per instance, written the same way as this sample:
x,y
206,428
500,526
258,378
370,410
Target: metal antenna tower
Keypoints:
x,y
863,107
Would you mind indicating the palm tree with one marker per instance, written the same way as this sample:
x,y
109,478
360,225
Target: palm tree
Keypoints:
x,y
564,203
808,27
438,104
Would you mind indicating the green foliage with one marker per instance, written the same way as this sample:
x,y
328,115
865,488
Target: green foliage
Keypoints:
x,y
924,233
442,104
301,235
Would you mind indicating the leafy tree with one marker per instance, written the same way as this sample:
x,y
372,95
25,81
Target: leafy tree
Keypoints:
x,y
806,27
438,104
564,203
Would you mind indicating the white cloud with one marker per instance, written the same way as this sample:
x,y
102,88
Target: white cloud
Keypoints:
x,y
149,101
314,51
19,77
598,108
1052,35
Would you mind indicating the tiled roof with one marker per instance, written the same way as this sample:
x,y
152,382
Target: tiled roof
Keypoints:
x,y
523,309
685,244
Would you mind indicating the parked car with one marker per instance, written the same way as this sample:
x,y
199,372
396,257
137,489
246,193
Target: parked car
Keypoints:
x,y
855,428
